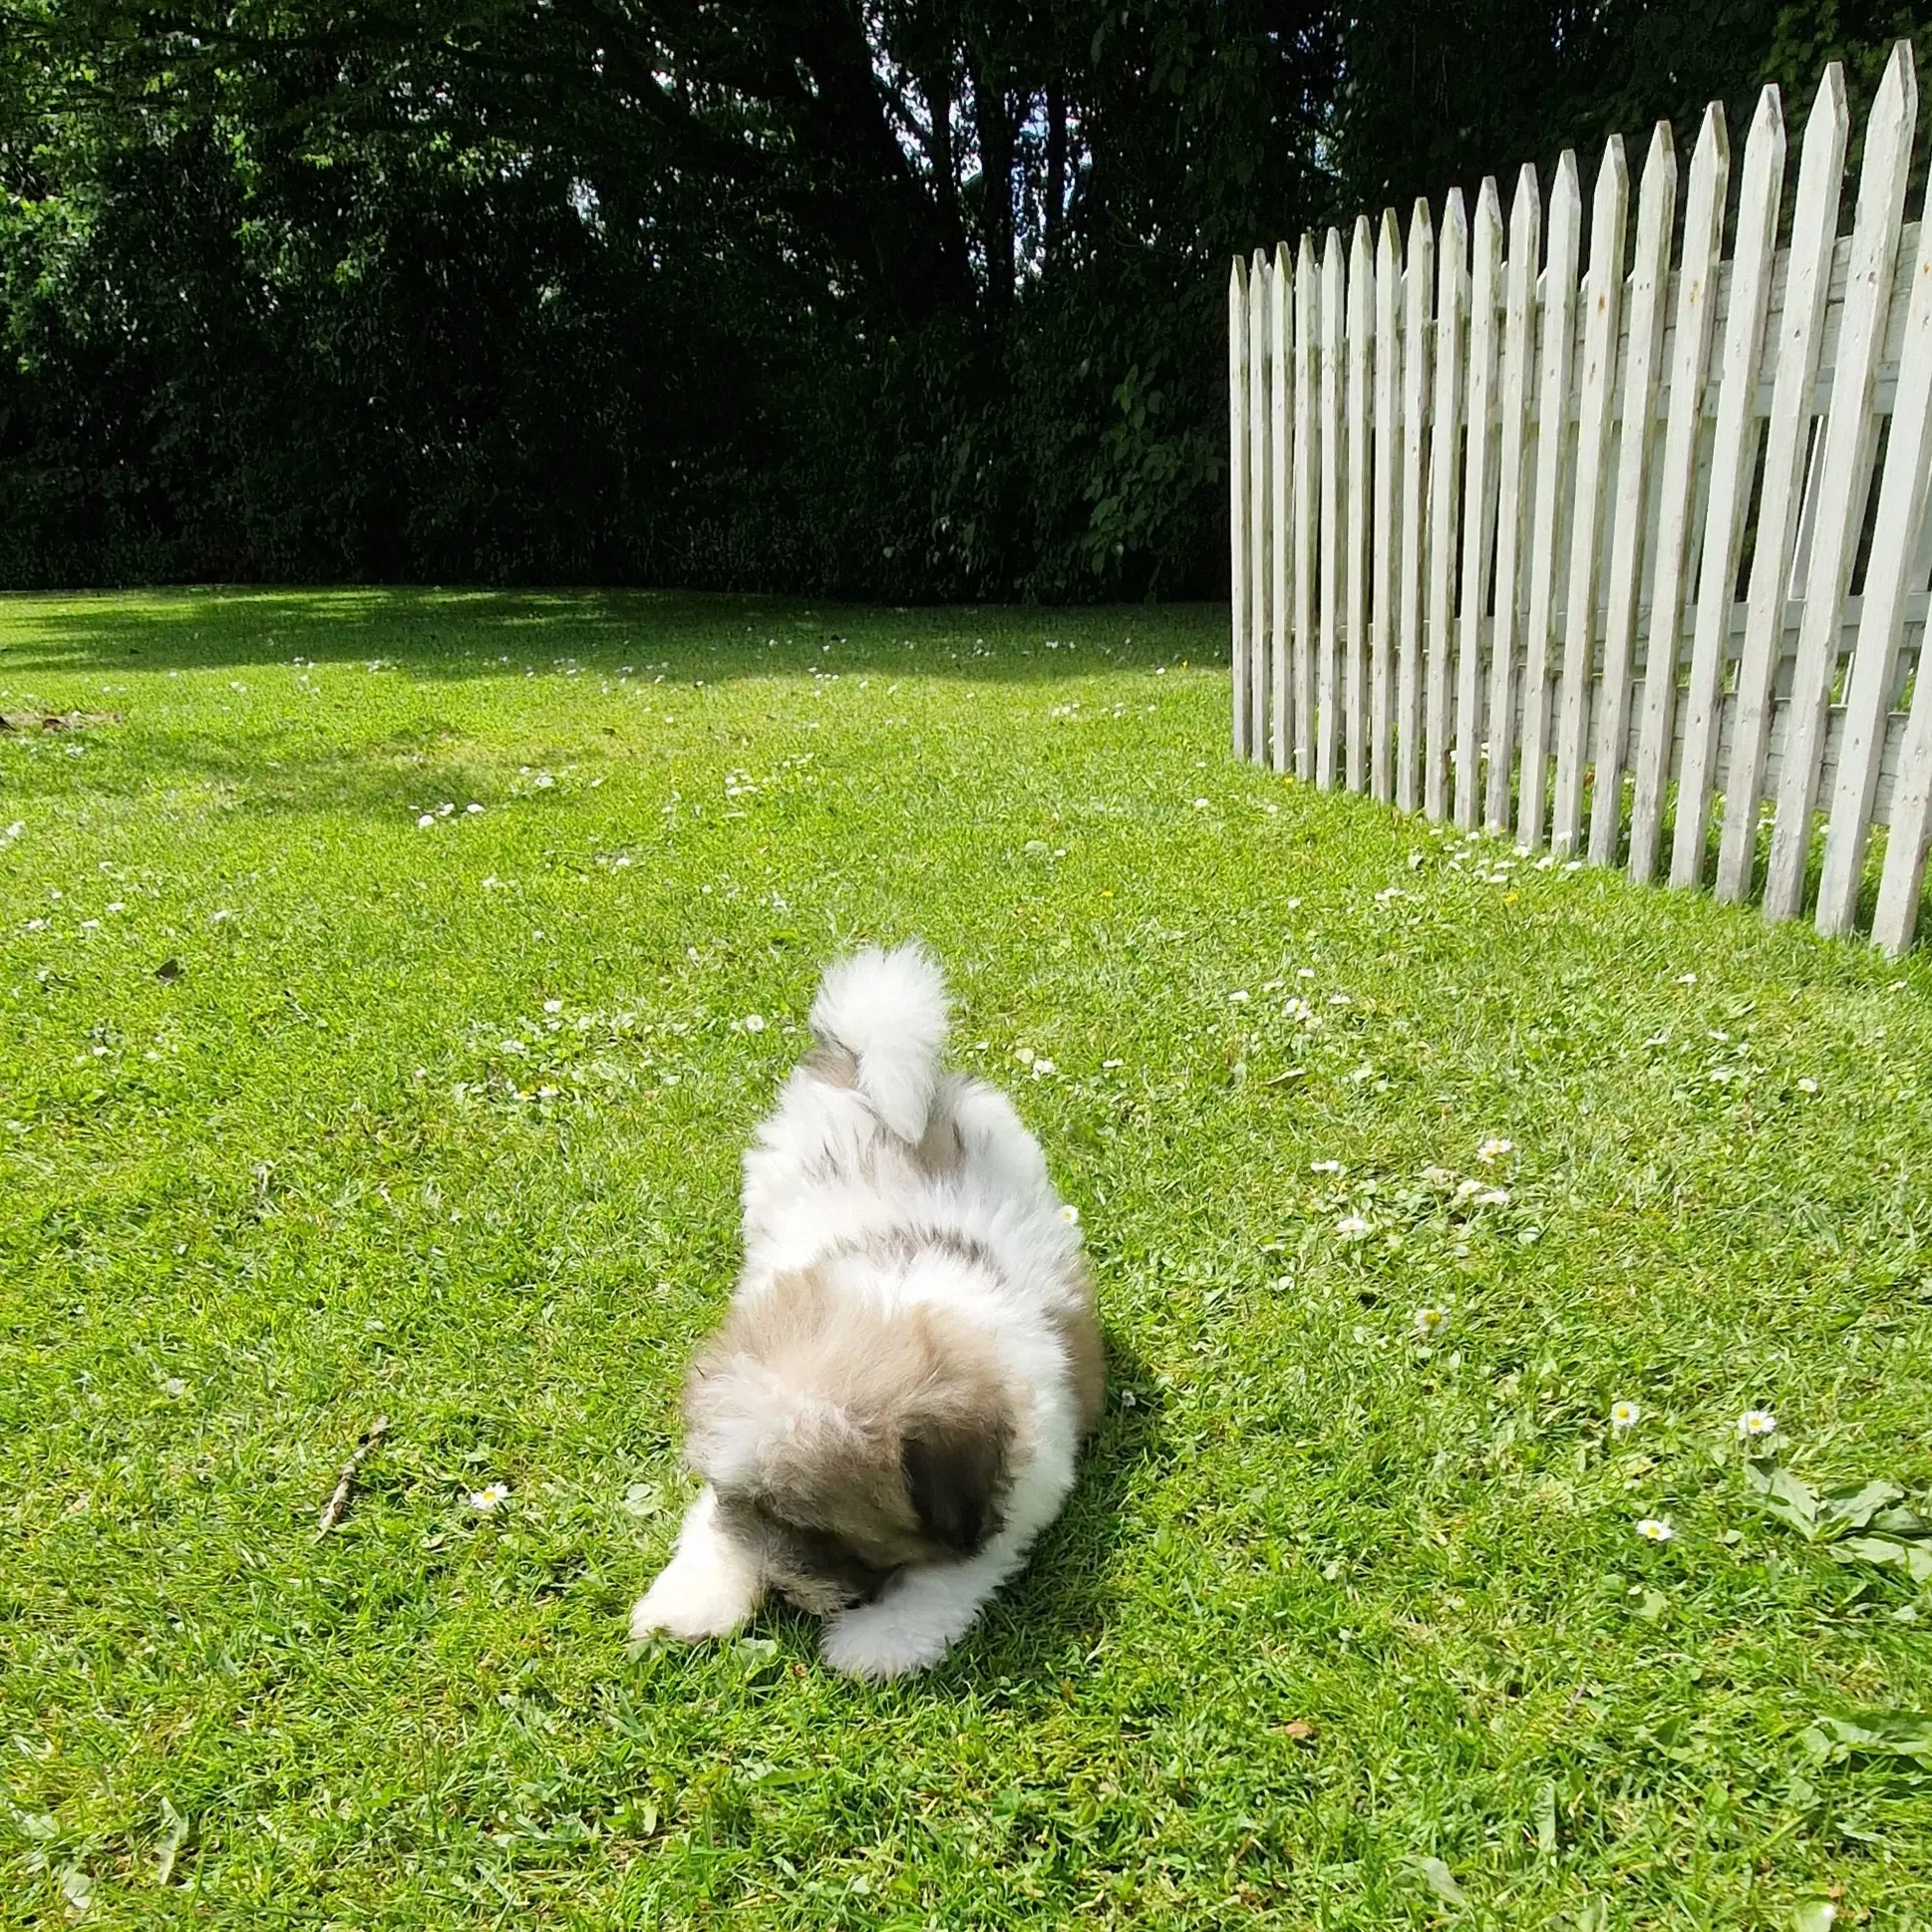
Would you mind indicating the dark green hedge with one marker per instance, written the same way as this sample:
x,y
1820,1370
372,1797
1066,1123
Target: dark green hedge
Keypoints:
x,y
717,294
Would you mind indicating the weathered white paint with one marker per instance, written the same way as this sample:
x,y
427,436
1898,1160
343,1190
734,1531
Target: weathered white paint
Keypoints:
x,y
1417,284
1697,278
1477,512
1451,310
1517,460
1841,495
1237,493
1355,514
1794,344
1280,502
1552,473
1388,395
1734,449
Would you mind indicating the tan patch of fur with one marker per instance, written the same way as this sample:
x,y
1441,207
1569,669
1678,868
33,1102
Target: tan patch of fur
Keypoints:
x,y
1079,1327
942,1151
870,1381
837,1065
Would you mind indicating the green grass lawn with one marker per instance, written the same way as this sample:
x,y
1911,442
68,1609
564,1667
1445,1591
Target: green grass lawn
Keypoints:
x,y
311,1113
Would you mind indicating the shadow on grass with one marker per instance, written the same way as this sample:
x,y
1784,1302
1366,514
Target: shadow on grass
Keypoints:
x,y
1057,1609
396,773
453,634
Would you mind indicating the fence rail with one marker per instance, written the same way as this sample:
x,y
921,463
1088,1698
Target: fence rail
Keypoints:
x,y
1631,560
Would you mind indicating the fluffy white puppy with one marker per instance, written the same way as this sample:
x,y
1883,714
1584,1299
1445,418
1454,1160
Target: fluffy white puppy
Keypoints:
x,y
891,1411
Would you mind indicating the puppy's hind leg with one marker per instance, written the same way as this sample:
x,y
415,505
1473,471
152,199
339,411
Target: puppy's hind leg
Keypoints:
x,y
709,1587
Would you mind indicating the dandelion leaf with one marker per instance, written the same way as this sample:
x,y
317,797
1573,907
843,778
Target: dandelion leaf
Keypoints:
x,y
1853,1506
1893,1733
1786,1496
1440,1880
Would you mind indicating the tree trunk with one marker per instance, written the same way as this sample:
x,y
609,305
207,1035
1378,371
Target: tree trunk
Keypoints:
x,y
1055,168
994,119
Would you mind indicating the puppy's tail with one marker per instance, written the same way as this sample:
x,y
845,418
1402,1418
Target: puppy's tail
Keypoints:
x,y
890,1012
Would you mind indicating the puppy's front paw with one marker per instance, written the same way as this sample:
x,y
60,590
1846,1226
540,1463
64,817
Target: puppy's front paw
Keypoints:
x,y
690,1604
877,1642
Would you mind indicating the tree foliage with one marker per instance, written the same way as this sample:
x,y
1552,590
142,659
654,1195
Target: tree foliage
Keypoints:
x,y
904,298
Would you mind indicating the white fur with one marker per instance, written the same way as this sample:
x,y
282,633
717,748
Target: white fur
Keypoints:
x,y
706,1590
888,1010
834,1165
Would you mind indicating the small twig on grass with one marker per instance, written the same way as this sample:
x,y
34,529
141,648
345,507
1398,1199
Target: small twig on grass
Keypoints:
x,y
338,1504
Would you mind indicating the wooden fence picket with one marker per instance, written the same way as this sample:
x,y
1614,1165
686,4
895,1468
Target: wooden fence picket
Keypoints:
x,y
1280,440
1519,348
1387,390
1545,531
1451,308
1477,515
1903,880
1797,340
1416,283
1733,451
1305,510
1839,508
1697,289
1260,561
1238,491
1881,619
1649,281
1355,518
1596,376
1329,681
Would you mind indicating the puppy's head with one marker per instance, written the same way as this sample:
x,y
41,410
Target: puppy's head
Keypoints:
x,y
847,1442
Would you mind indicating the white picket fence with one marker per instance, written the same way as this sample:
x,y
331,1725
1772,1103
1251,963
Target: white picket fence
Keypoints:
x,y
1508,543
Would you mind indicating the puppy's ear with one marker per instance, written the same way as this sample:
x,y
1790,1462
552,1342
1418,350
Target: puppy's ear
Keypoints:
x,y
955,1471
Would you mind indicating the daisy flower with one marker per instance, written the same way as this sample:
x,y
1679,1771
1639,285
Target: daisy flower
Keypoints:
x,y
1429,1322
1070,1213
1756,1423
1494,1149
754,1022
486,1500
1655,1530
1352,1228
1625,1415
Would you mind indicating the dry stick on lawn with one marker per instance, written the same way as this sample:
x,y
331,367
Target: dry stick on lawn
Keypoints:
x,y
338,1503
